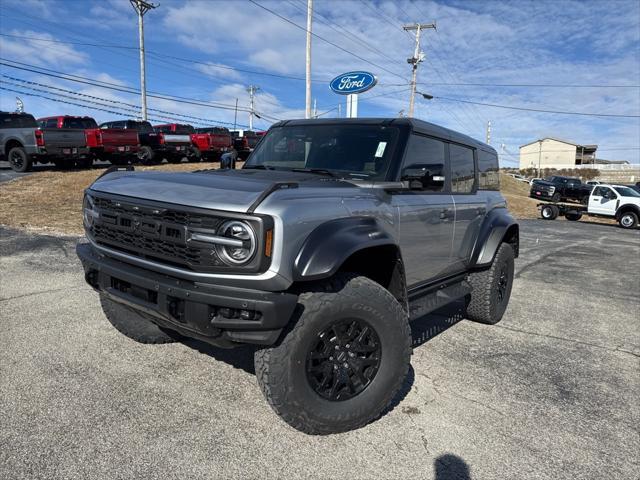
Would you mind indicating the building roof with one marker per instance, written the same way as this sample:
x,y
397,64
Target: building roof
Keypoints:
x,y
561,141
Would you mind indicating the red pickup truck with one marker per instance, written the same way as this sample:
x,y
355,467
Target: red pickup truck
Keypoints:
x,y
212,142
176,138
117,146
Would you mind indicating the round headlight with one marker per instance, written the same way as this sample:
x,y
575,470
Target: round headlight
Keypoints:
x,y
240,253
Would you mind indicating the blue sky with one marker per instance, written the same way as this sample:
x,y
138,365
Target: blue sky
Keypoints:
x,y
477,42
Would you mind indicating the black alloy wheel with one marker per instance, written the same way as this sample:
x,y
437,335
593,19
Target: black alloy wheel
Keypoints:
x,y
344,359
18,160
503,284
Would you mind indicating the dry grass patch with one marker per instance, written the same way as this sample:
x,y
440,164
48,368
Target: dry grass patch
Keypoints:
x,y
52,201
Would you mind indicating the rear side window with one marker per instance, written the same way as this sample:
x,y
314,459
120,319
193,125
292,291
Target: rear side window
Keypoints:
x,y
463,172
488,171
13,120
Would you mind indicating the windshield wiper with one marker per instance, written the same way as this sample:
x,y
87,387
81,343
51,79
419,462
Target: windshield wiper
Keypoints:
x,y
319,171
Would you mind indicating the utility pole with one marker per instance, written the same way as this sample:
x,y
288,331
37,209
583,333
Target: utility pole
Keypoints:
x,y
418,57
539,157
141,7
489,132
252,92
307,110
235,116
339,110
315,108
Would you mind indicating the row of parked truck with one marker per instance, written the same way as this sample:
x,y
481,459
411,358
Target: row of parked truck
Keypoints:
x,y
71,141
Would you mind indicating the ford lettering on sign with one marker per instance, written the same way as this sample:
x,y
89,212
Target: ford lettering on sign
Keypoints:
x,y
353,82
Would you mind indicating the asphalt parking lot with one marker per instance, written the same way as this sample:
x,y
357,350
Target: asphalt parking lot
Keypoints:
x,y
551,392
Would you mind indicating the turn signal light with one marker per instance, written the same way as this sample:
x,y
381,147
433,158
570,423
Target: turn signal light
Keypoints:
x,y
268,243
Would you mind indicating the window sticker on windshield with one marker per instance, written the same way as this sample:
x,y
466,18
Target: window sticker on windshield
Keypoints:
x,y
380,149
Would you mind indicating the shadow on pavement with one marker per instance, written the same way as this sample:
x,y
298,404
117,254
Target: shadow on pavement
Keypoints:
x,y
451,467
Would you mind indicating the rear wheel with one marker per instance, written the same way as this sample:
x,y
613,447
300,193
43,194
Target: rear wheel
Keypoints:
x,y
133,325
19,160
628,220
147,156
193,154
492,288
342,362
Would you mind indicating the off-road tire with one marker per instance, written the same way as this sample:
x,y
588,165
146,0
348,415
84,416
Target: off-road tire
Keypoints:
x,y
281,370
484,306
628,220
146,156
133,325
572,216
18,159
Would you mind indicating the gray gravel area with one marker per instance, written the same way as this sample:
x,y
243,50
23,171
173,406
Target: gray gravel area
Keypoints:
x,y
552,392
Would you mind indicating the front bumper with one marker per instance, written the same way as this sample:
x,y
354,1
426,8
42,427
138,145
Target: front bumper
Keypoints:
x,y
217,314
543,194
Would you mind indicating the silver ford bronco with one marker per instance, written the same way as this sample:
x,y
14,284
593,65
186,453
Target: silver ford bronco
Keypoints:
x,y
320,250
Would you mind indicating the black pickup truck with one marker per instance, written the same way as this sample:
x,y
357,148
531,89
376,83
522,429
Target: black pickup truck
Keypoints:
x,y
560,189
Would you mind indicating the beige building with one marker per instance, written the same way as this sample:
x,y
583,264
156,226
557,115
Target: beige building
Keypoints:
x,y
555,153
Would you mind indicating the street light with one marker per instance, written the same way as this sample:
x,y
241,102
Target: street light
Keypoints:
x,y
426,96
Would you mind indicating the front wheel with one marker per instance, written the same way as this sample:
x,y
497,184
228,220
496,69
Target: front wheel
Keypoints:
x,y
628,220
549,212
19,160
573,216
343,360
492,288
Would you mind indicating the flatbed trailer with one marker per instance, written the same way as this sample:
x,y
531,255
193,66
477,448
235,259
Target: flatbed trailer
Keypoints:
x,y
571,211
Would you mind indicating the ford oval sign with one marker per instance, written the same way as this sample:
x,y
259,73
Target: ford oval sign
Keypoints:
x,y
353,82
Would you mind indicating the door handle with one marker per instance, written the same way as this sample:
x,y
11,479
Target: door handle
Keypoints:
x,y
444,213
481,210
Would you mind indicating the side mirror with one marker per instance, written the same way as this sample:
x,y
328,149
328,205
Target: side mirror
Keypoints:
x,y
228,160
424,176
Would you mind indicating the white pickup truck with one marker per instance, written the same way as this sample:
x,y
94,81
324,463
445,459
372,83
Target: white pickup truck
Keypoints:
x,y
611,201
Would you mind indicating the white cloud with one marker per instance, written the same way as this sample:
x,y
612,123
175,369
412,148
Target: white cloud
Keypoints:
x,y
39,52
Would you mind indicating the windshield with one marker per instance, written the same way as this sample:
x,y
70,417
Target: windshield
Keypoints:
x,y
344,150
626,192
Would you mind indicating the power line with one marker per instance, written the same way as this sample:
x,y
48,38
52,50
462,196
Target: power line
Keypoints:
x,y
116,87
527,85
127,106
162,55
537,109
324,39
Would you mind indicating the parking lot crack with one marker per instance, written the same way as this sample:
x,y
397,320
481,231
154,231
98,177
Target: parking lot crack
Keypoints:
x,y
564,339
40,292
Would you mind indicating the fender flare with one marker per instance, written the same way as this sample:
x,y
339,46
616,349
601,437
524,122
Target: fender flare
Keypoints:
x,y
329,245
626,208
498,225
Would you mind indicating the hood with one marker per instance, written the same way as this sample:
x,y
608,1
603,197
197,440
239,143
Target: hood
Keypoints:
x,y
230,190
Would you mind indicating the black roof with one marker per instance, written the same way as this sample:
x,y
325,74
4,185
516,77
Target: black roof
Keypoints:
x,y
415,124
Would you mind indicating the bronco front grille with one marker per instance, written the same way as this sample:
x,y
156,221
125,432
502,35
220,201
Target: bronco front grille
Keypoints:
x,y
157,234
